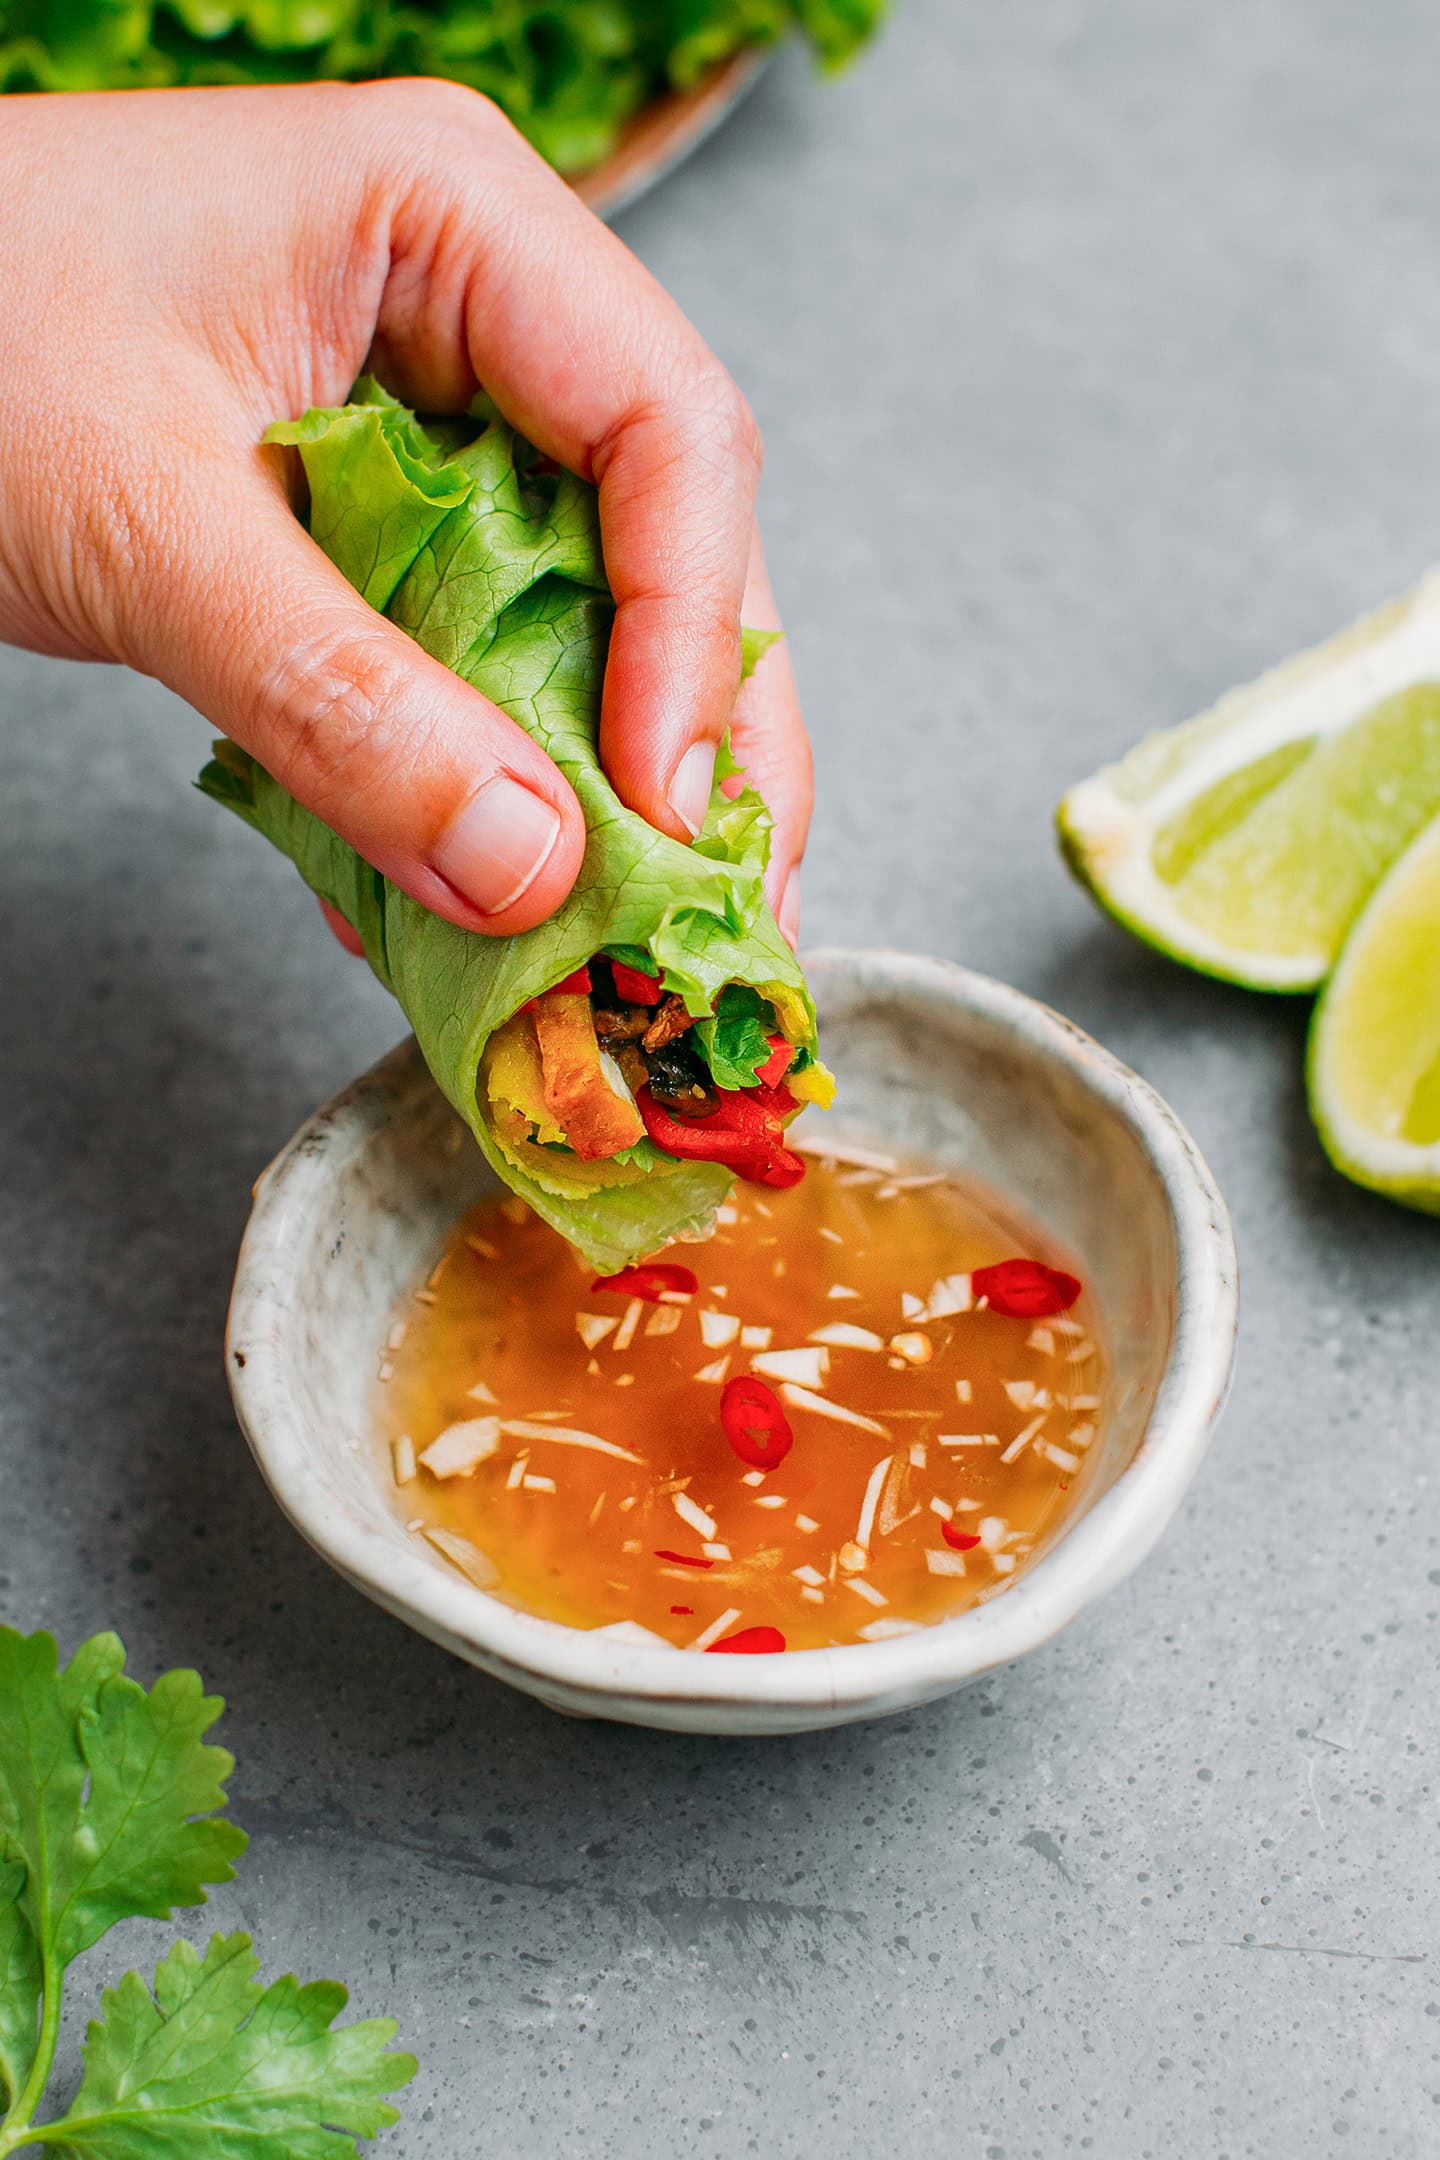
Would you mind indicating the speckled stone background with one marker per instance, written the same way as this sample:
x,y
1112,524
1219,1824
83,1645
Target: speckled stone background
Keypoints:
x,y
1098,351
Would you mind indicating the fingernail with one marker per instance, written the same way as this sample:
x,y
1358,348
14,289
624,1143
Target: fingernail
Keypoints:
x,y
689,795
493,850
788,912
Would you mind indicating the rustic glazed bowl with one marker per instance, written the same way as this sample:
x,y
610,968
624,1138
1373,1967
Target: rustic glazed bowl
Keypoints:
x,y
932,1061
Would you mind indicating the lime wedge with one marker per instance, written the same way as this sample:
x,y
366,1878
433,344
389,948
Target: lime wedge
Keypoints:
x,y
1246,842
1374,1058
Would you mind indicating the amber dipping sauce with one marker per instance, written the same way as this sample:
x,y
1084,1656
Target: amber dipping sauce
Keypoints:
x,y
564,1446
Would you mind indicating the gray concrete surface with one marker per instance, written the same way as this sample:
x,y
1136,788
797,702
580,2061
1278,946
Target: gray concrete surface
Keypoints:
x,y
1098,350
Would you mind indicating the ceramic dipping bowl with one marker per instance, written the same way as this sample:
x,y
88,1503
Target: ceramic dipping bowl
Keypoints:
x,y
933,1062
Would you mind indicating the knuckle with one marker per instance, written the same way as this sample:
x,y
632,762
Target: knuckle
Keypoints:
x,y
116,550
347,726
745,430
705,421
412,99
714,621
692,621
717,414
429,123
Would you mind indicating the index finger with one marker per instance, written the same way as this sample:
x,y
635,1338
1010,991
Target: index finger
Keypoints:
x,y
770,742
498,274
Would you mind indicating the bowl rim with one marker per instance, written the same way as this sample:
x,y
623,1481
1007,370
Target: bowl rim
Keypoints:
x,y
1111,1539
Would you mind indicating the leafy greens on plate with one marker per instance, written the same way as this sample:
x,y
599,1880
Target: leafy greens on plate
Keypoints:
x,y
568,72
661,990
109,1800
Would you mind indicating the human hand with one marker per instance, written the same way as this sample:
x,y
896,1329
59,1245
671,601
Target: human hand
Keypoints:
x,y
189,265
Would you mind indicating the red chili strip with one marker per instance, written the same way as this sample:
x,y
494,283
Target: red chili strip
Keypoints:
x,y
759,1109
635,988
705,1139
781,1058
754,1423
678,1609
758,1113
681,1559
652,1280
1025,1289
962,1540
578,983
783,1171
745,1134
751,1641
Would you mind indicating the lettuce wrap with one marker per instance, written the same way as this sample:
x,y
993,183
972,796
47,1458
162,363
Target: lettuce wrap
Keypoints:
x,y
490,558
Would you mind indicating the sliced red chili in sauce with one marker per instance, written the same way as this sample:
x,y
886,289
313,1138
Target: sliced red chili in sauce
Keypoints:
x,y
751,1641
1025,1289
754,1423
962,1540
633,987
681,1559
651,1280
679,1610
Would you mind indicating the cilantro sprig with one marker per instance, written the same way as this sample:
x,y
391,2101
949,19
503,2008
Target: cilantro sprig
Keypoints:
x,y
109,1810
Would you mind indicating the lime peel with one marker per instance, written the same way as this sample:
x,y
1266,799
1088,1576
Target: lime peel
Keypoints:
x,y
1224,811
1373,1066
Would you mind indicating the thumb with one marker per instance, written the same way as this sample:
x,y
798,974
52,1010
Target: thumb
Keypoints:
x,y
427,779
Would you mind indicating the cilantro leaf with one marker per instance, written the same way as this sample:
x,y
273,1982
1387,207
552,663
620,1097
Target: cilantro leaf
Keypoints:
x,y
98,1786
108,1800
19,1986
42,1780
211,2062
147,1837
736,1043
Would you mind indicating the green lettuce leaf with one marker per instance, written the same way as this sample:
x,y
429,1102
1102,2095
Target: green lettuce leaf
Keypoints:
x,y
569,73
493,564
